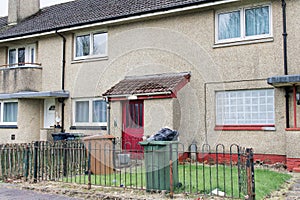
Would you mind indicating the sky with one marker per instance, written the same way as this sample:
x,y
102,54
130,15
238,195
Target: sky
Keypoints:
x,y
43,3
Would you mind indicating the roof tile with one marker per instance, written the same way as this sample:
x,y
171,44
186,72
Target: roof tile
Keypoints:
x,y
80,12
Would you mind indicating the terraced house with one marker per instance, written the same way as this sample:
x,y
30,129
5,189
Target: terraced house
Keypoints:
x,y
218,71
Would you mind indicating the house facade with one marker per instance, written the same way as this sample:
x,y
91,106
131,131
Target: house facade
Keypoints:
x,y
217,71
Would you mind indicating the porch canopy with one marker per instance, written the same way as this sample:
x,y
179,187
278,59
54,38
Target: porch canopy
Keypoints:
x,y
148,86
284,81
35,95
288,81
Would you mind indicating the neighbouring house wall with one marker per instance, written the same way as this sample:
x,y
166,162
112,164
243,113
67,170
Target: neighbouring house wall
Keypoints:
x,y
50,56
3,56
20,79
29,116
28,130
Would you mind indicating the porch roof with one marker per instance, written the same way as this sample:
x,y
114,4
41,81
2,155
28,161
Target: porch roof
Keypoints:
x,y
149,85
285,80
35,95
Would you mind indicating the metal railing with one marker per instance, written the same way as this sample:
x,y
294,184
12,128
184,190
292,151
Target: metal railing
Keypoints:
x,y
202,171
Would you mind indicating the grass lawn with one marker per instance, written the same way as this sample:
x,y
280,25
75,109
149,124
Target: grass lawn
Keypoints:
x,y
193,179
267,181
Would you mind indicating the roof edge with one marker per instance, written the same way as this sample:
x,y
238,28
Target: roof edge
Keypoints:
x,y
120,19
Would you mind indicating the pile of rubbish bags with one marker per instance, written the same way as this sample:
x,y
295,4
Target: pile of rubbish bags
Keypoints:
x,y
165,134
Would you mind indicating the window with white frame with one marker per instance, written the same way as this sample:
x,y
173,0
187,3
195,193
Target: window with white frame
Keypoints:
x,y
245,107
244,23
89,112
9,112
90,45
22,55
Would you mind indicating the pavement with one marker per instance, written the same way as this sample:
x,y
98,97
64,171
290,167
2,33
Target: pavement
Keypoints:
x,y
13,192
44,191
294,189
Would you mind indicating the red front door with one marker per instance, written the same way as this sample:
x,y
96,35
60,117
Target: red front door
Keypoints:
x,y
133,126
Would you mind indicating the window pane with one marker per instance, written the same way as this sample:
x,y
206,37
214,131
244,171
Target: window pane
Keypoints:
x,y
21,56
82,111
229,25
100,43
12,57
32,55
257,21
10,112
245,107
82,45
99,111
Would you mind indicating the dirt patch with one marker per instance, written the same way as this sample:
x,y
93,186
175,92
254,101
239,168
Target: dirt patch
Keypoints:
x,y
99,192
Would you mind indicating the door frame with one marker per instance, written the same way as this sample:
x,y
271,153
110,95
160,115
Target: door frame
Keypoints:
x,y
48,103
136,134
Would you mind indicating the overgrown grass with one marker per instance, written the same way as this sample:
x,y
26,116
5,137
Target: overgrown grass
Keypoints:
x,y
267,181
194,179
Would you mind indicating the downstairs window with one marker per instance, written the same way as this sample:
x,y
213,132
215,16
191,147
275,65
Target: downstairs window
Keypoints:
x,y
245,108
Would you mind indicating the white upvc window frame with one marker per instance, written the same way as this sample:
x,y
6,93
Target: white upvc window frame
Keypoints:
x,y
2,102
30,57
91,42
243,36
234,108
90,114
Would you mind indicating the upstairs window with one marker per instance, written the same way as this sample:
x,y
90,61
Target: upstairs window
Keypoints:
x,y
89,112
90,45
243,24
21,56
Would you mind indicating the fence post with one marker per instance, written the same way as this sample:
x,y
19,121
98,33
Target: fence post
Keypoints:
x,y
89,166
250,174
65,159
26,162
35,160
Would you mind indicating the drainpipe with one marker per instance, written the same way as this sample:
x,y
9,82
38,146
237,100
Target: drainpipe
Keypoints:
x,y
285,64
108,115
61,100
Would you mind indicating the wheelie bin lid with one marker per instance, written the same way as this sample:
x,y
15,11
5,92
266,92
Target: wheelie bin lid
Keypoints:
x,y
157,143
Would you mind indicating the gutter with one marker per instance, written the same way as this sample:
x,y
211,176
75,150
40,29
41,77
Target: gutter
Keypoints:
x,y
122,19
61,100
140,94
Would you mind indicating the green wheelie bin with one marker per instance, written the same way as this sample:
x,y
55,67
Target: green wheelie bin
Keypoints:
x,y
160,157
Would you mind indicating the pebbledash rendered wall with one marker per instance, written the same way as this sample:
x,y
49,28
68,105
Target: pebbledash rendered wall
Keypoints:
x,y
186,43
179,43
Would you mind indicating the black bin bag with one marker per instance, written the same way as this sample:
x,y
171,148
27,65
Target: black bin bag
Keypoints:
x,y
164,134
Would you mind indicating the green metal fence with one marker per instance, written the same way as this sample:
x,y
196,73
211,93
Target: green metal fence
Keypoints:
x,y
210,172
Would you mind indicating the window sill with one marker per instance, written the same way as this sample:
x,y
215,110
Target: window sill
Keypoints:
x,y
88,128
245,128
243,42
89,59
8,127
292,129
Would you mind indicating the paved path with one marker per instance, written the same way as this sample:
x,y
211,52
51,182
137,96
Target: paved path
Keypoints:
x,y
11,192
294,190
